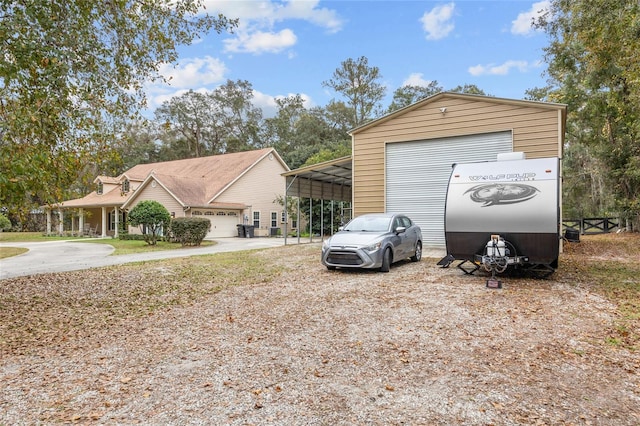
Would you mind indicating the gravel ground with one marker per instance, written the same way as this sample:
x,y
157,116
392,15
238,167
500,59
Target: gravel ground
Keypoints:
x,y
419,345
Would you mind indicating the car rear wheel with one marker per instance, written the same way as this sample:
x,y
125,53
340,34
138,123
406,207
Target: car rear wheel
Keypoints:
x,y
418,253
386,260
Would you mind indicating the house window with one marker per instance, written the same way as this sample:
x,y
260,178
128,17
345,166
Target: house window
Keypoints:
x,y
121,220
256,219
100,189
294,224
274,219
221,214
125,186
232,214
197,213
208,213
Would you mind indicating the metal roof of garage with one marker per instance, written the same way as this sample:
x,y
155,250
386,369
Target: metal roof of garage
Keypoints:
x,y
329,180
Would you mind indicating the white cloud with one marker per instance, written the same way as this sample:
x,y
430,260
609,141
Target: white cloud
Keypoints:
x,y
259,42
502,69
416,79
522,24
192,72
257,19
187,74
438,22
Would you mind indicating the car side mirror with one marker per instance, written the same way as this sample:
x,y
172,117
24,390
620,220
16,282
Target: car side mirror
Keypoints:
x,y
400,229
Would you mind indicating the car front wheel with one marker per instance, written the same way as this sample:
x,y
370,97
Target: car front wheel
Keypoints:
x,y
386,260
418,254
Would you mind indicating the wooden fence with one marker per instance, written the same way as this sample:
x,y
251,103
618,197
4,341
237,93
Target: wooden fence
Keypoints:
x,y
592,225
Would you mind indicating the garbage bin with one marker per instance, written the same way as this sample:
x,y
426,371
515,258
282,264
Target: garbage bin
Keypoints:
x,y
241,232
248,231
572,235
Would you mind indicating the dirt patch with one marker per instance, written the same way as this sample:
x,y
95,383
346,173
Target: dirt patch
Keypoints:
x,y
420,345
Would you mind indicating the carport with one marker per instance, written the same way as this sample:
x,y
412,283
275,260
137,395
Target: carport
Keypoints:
x,y
327,181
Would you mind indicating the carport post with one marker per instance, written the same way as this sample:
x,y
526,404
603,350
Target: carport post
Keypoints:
x,y
310,219
332,207
298,229
321,218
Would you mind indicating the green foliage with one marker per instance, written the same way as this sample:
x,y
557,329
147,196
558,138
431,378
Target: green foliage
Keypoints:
x,y
594,67
5,223
189,230
409,94
198,124
71,72
152,218
470,89
337,150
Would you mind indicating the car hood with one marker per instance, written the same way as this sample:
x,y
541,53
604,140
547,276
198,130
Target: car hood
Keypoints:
x,y
354,238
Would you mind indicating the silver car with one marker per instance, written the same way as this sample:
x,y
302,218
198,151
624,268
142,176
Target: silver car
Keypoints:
x,y
373,241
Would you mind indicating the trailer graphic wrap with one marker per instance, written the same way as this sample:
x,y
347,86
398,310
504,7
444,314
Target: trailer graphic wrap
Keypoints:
x,y
517,200
499,193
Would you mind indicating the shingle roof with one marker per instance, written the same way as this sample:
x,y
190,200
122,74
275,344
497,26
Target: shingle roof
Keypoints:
x,y
193,181
115,197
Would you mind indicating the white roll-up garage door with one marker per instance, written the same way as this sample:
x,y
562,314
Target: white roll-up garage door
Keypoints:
x,y
223,223
417,174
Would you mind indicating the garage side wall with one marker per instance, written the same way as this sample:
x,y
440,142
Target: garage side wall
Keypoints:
x,y
536,131
258,189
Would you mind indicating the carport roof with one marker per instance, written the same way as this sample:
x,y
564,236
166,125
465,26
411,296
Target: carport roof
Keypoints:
x,y
329,180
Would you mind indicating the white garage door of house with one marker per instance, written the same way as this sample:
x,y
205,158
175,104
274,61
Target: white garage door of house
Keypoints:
x,y
417,175
223,224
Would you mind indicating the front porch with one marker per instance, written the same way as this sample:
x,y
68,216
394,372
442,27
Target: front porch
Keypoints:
x,y
97,222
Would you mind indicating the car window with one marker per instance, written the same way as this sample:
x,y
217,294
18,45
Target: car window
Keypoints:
x,y
406,222
369,224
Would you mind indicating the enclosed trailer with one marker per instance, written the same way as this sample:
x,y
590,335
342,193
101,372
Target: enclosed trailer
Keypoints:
x,y
503,214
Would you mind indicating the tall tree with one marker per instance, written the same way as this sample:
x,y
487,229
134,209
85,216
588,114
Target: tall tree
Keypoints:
x,y
359,84
237,119
188,120
71,70
594,67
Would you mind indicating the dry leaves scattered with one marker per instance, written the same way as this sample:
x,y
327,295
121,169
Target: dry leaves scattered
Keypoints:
x,y
277,339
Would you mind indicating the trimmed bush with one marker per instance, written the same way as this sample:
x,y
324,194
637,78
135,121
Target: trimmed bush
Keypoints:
x,y
152,218
5,223
189,231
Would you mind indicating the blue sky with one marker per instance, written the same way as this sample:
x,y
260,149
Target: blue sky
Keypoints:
x,y
291,47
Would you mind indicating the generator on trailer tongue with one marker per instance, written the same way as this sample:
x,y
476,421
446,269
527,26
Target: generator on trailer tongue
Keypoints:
x,y
503,214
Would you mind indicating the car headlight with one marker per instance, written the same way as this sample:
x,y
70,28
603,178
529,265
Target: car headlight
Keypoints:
x,y
325,245
374,247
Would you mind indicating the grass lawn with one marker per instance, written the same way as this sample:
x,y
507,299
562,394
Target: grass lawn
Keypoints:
x,y
121,246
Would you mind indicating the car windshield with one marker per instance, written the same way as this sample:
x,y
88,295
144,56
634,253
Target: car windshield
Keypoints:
x,y
368,224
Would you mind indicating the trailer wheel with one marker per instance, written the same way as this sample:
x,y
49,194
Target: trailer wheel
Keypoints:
x,y
418,253
386,260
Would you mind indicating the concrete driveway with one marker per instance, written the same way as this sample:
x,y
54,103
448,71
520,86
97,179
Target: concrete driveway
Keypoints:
x,y
61,256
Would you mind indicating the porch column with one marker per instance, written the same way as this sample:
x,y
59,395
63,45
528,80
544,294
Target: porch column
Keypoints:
x,y
61,223
104,222
81,221
48,221
117,213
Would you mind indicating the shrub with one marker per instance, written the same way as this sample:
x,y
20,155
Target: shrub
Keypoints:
x,y
152,218
189,230
5,223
